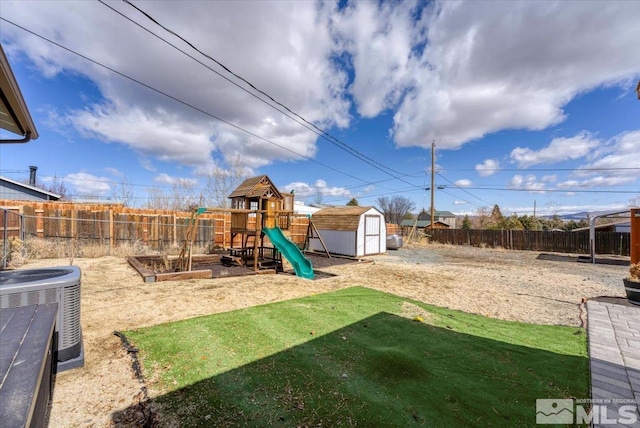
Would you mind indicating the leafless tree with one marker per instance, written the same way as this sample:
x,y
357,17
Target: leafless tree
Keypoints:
x,y
222,181
56,186
483,217
395,208
319,197
179,197
156,198
123,192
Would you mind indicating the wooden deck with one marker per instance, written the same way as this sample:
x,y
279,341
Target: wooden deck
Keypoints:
x,y
26,364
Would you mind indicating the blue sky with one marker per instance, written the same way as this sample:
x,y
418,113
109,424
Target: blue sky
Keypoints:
x,y
525,101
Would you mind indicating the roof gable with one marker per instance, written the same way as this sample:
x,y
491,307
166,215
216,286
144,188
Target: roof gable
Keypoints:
x,y
256,187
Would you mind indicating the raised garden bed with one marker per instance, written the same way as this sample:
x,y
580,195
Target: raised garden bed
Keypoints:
x,y
158,268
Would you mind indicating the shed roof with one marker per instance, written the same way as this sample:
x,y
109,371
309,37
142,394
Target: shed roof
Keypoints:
x,y
339,218
255,187
621,223
351,210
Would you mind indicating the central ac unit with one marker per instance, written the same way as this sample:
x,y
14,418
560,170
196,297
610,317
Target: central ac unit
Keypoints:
x,y
59,285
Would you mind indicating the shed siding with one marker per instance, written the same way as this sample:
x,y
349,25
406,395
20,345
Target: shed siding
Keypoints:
x,y
337,242
351,231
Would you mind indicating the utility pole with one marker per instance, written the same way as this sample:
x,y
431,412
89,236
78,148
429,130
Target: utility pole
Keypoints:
x,y
534,209
433,177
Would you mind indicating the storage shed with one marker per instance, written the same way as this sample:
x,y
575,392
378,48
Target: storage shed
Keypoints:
x,y
350,231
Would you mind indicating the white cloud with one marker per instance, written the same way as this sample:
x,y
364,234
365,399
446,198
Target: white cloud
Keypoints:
x,y
617,163
528,182
490,66
115,171
487,168
560,149
166,179
449,71
159,135
292,60
459,203
561,209
379,38
88,184
619,152
568,183
464,182
305,190
320,184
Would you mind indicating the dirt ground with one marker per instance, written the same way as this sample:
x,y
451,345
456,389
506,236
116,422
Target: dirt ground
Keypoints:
x,y
511,285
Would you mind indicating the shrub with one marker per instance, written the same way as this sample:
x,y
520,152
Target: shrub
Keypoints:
x,y
634,272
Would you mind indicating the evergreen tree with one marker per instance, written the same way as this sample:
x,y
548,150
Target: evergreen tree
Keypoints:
x,y
583,223
466,222
353,203
496,215
511,223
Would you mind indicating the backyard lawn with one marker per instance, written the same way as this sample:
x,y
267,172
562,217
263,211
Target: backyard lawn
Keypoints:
x,y
357,357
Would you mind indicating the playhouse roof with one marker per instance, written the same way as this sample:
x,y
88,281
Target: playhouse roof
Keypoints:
x,y
256,187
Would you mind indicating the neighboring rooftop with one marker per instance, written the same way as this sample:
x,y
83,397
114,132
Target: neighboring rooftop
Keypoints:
x,y
14,190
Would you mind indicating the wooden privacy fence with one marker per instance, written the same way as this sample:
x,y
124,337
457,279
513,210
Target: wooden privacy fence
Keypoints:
x,y
113,224
536,240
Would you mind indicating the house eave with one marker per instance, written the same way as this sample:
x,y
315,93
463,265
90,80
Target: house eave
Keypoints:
x,y
14,114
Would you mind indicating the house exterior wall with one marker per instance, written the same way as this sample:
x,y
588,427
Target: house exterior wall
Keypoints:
x,y
451,221
16,193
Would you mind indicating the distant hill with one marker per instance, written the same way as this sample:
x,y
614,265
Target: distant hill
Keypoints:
x,y
576,216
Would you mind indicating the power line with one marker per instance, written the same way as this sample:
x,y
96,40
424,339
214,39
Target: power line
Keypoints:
x,y
542,169
553,190
462,199
409,190
307,124
464,190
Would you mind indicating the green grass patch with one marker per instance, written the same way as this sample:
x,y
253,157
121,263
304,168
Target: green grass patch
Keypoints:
x,y
359,357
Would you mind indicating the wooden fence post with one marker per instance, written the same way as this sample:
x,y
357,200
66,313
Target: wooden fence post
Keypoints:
x,y
175,229
634,243
111,232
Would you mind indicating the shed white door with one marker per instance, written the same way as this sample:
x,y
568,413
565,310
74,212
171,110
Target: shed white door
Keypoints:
x,y
371,234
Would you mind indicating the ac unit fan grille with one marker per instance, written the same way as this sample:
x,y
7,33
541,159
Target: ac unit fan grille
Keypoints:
x,y
71,315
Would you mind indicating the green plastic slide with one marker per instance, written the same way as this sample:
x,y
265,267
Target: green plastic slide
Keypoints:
x,y
291,252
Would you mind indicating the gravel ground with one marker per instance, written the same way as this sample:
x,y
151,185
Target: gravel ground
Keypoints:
x,y
510,285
